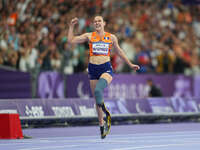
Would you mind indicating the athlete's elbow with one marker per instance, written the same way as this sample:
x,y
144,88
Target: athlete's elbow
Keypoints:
x,y
70,41
119,53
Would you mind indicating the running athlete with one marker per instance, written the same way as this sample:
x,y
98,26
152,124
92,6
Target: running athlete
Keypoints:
x,y
99,68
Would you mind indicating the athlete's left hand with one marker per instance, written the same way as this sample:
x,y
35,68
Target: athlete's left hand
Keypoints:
x,y
135,67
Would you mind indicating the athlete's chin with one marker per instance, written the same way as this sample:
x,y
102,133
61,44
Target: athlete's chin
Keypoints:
x,y
98,29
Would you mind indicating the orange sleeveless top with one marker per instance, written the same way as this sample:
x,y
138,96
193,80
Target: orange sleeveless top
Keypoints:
x,y
100,46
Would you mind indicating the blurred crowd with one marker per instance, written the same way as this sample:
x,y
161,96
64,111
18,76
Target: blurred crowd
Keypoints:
x,y
162,36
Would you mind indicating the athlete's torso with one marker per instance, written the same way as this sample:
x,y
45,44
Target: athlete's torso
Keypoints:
x,y
99,48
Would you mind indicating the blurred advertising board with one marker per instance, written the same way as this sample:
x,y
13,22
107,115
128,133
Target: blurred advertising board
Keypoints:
x,y
15,84
72,107
131,86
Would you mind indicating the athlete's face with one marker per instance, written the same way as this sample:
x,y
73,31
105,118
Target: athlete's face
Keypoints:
x,y
99,23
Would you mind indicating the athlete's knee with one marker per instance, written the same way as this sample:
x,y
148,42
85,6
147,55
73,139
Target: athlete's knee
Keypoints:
x,y
98,93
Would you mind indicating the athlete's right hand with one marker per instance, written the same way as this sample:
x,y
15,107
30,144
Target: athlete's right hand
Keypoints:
x,y
74,21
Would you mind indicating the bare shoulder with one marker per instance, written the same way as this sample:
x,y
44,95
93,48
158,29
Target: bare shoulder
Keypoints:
x,y
84,37
86,34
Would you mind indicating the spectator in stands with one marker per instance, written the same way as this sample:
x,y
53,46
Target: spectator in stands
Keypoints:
x,y
79,58
154,91
44,55
29,55
194,68
13,38
129,49
1,57
12,57
165,60
143,58
3,47
168,23
180,64
67,59
55,57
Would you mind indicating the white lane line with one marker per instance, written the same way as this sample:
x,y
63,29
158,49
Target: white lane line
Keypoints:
x,y
133,134
133,137
156,146
50,147
152,140
27,142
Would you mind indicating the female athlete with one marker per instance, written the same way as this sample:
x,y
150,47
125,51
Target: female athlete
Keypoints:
x,y
99,67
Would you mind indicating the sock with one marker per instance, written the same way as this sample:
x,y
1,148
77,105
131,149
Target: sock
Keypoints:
x,y
101,129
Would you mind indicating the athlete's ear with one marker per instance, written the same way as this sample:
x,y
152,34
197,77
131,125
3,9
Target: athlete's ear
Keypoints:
x,y
104,23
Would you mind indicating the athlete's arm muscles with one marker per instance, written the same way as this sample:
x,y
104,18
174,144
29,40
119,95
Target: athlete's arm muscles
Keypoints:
x,y
76,39
121,53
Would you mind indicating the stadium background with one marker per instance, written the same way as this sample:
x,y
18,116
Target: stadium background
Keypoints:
x,y
44,79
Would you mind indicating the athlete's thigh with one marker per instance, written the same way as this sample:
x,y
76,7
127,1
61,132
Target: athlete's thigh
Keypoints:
x,y
107,77
93,85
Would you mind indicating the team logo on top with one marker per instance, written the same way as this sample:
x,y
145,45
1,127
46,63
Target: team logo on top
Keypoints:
x,y
106,38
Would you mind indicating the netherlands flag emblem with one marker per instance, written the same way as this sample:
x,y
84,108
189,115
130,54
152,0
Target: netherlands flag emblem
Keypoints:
x,y
106,38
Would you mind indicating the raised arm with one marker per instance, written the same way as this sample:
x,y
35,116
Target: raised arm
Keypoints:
x,y
76,39
121,53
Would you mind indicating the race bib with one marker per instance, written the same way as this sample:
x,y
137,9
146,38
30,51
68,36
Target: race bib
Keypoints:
x,y
100,48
